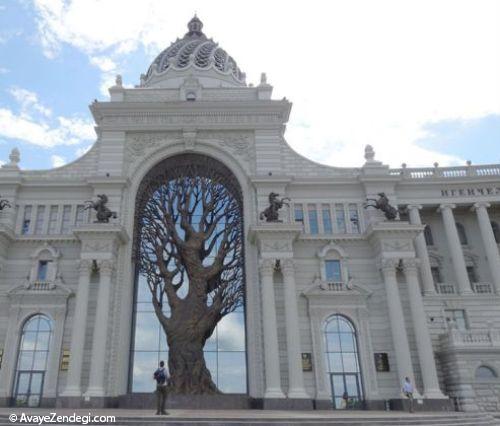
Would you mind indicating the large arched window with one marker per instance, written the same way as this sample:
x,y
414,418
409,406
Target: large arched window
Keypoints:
x,y
189,306
485,373
32,361
342,361
496,231
462,236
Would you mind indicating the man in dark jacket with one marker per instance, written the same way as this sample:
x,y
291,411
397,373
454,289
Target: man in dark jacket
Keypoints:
x,y
160,375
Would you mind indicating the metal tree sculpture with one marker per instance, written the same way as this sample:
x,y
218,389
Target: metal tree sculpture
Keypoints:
x,y
190,249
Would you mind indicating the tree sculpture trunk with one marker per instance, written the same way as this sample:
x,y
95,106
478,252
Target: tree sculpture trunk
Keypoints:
x,y
191,253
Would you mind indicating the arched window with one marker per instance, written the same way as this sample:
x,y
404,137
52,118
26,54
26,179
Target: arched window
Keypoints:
x,y
485,373
496,231
32,361
462,236
342,362
429,239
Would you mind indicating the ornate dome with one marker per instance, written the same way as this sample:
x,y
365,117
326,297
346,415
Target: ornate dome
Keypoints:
x,y
194,50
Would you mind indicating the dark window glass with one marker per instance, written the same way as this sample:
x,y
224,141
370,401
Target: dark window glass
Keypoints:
x,y
298,213
43,266
429,240
333,272
471,272
462,236
496,231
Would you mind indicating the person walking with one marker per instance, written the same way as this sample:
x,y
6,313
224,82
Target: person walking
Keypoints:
x,y
160,375
408,391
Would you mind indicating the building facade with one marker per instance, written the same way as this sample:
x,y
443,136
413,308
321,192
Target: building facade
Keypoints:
x,y
341,303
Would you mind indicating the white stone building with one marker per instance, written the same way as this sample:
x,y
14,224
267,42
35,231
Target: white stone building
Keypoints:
x,y
337,297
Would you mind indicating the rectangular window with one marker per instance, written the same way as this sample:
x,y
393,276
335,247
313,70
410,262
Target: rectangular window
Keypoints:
x,y
26,220
354,218
80,215
456,317
40,215
436,275
53,219
471,272
313,218
340,216
43,267
66,219
327,219
298,213
332,269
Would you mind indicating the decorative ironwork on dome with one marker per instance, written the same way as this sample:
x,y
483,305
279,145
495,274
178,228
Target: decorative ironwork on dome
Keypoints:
x,y
194,49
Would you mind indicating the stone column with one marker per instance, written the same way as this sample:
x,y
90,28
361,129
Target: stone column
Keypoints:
x,y
397,321
457,255
99,343
73,382
422,336
271,350
295,377
489,242
422,253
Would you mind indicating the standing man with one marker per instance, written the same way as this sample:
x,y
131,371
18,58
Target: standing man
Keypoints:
x,y
408,392
160,375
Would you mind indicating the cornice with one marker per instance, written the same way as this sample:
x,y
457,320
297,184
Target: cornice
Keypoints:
x,y
101,231
44,239
274,229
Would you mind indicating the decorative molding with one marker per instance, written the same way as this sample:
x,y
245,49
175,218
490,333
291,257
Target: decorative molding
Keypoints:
x,y
210,117
98,246
388,264
397,245
279,246
266,266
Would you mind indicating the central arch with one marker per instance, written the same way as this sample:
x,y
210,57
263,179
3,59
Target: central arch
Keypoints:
x,y
189,255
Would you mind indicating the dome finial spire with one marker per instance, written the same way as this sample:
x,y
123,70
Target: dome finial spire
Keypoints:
x,y
195,26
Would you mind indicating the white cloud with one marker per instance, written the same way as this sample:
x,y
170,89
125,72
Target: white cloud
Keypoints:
x,y
358,72
34,123
29,102
4,70
67,131
57,161
103,63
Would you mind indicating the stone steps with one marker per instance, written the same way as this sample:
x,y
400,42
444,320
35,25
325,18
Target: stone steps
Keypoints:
x,y
336,419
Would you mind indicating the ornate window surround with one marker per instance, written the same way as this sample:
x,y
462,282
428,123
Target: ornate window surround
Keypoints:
x,y
48,253
333,251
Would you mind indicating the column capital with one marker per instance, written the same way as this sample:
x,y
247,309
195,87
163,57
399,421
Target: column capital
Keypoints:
x,y
288,266
480,204
446,206
414,206
410,266
388,265
106,267
85,266
266,266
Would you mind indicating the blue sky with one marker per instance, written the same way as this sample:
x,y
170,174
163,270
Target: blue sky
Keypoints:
x,y
420,81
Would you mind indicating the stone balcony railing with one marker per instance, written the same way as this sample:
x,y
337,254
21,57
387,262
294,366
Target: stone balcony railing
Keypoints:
x,y
447,172
41,285
455,339
334,286
477,288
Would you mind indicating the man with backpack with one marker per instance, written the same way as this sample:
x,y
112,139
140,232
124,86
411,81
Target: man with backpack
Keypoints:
x,y
160,375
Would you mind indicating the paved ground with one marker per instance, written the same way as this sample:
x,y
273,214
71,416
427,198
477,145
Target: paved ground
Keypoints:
x,y
226,414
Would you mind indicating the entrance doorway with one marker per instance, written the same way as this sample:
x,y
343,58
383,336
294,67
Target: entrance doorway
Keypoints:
x,y
29,388
32,361
346,391
342,362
